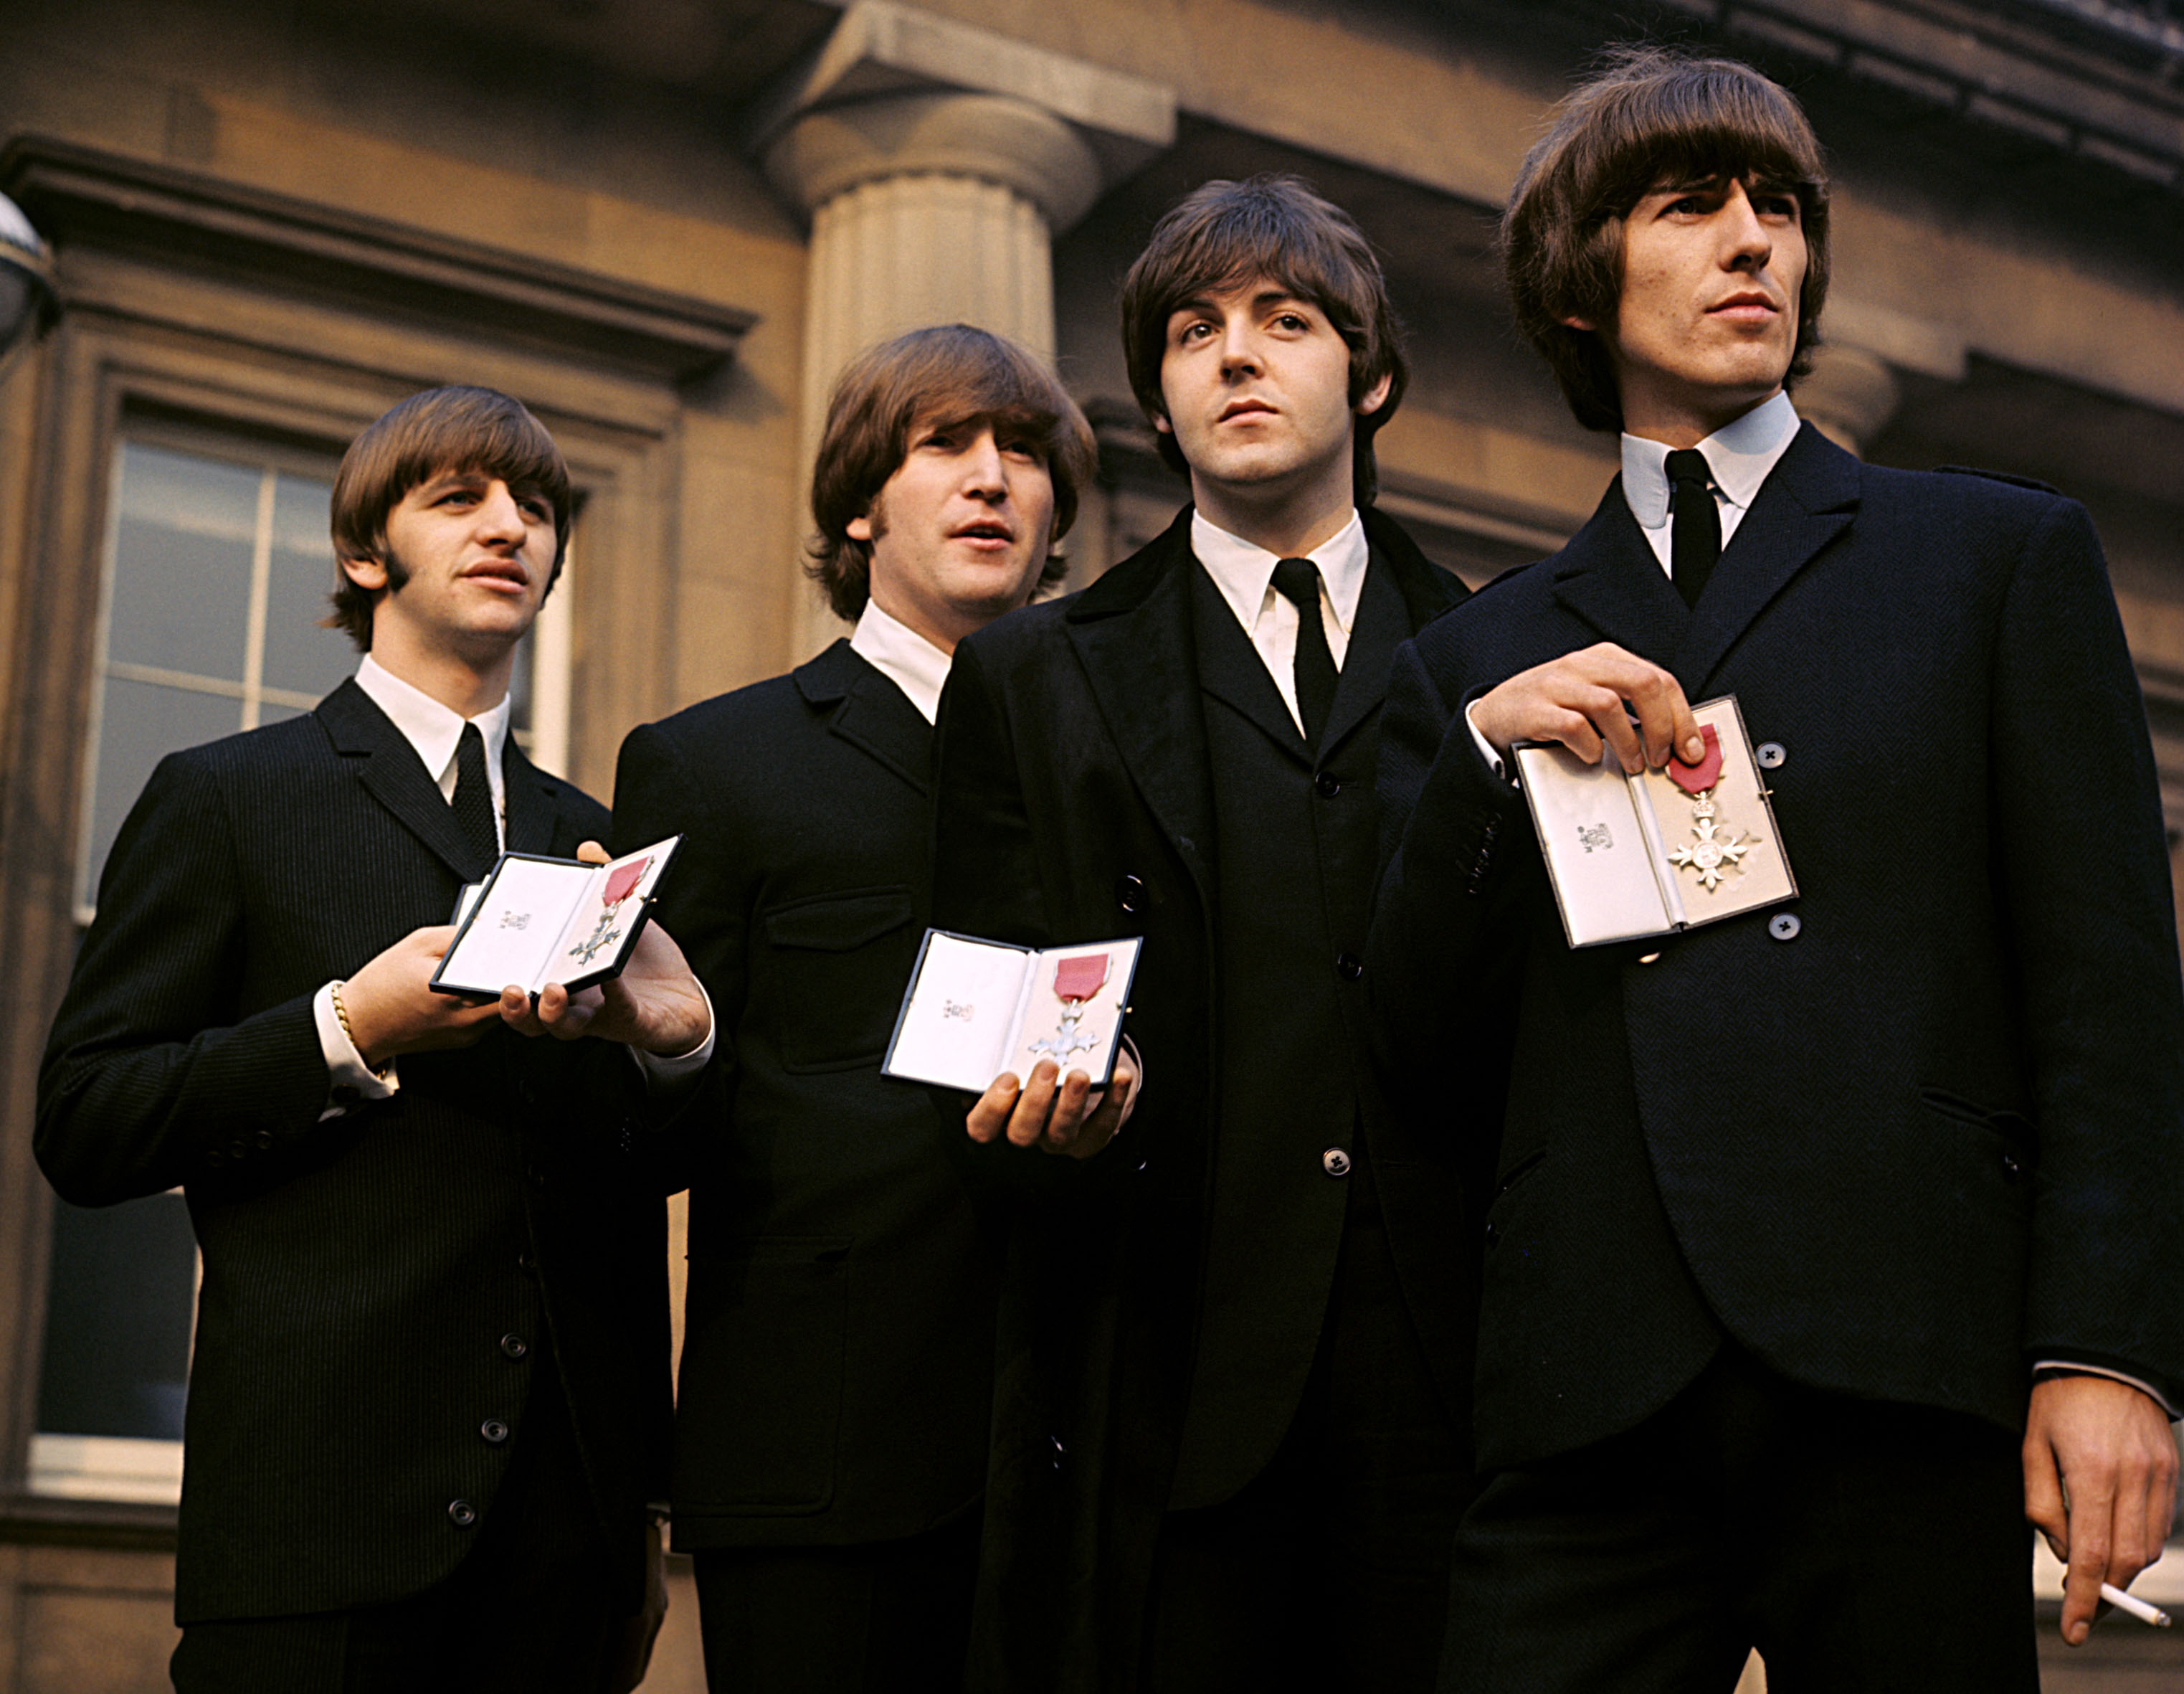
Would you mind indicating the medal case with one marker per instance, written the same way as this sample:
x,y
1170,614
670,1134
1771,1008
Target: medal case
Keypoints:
x,y
975,1009
537,920
1631,858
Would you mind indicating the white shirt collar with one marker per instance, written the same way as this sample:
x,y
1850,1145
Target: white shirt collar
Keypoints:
x,y
1244,572
1739,454
434,729
902,655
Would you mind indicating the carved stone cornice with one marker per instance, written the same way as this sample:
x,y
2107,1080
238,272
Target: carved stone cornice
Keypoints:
x,y
81,196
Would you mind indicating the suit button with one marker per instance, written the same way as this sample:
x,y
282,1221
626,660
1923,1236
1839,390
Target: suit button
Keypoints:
x,y
526,1263
1770,755
461,1513
215,1157
1349,966
513,1345
493,1431
1493,1234
1055,1451
1326,785
263,1138
1129,892
2011,1168
1336,1162
1784,925
238,1148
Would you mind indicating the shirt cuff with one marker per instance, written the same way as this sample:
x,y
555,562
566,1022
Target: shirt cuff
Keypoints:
x,y
1486,747
662,1073
350,1081
2072,1367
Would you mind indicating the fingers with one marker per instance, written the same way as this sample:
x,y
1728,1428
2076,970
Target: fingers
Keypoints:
x,y
989,1116
2088,1568
2043,1495
1074,1102
1585,700
1027,1122
591,853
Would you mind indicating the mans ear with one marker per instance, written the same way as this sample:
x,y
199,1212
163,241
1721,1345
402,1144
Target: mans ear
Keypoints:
x,y
1375,397
368,574
859,527
1584,323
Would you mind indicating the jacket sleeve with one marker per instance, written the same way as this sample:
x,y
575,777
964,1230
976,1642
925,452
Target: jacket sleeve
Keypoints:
x,y
151,1076
2084,886
1455,844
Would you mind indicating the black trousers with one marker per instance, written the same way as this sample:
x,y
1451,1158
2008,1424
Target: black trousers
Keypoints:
x,y
538,1606
875,1618
1861,1547
1329,1572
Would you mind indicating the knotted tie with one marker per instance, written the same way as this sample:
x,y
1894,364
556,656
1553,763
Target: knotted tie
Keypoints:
x,y
1694,531
1297,582
474,801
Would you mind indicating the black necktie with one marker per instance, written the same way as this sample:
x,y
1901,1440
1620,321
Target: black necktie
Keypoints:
x,y
1297,582
1694,533
474,801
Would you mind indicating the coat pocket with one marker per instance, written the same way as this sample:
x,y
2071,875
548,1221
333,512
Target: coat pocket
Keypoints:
x,y
839,963
758,1405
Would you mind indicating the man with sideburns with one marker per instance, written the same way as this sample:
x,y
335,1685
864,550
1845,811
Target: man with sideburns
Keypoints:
x,y
1227,1446
1831,1242
428,1396
831,1435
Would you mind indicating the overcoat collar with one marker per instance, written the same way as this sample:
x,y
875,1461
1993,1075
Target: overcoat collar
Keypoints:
x,y
1608,576
870,712
395,776
1132,632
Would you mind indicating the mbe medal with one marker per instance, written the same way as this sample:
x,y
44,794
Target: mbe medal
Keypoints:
x,y
1076,980
1714,851
620,886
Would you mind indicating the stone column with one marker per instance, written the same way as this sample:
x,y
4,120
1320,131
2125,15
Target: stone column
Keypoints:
x,y
937,161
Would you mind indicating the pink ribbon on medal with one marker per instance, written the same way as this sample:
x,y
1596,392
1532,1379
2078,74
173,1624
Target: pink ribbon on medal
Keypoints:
x,y
1696,779
1081,978
623,883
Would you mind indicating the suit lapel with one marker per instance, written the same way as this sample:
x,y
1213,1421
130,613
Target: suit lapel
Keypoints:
x,y
1609,578
531,813
1808,499
1132,632
393,774
1380,626
1232,670
871,712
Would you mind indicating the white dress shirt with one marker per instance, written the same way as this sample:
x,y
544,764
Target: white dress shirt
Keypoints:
x,y
902,655
1245,574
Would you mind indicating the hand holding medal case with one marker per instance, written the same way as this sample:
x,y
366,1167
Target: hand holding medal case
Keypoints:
x,y
975,1009
536,921
1665,850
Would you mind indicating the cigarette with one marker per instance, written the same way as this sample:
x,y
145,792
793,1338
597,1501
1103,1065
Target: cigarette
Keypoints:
x,y
2138,1608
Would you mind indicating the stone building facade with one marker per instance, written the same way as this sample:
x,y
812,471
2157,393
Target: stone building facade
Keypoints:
x,y
665,224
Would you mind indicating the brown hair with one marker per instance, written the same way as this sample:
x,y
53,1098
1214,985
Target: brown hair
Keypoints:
x,y
1652,116
1224,234
442,429
950,374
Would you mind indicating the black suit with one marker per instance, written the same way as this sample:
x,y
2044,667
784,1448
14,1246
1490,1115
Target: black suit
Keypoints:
x,y
837,1366
1116,763
1893,1142
380,1287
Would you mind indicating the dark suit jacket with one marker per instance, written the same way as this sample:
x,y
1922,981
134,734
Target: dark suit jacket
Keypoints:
x,y
361,1273
838,1360
1075,803
1921,1137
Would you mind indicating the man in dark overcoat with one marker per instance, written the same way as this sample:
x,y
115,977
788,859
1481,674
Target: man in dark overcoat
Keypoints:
x,y
428,1396
1227,1448
1832,1240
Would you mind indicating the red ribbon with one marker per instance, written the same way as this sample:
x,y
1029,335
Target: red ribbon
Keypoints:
x,y
1080,978
1696,779
623,883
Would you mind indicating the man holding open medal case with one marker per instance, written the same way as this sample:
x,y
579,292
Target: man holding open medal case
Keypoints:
x,y
1834,1237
